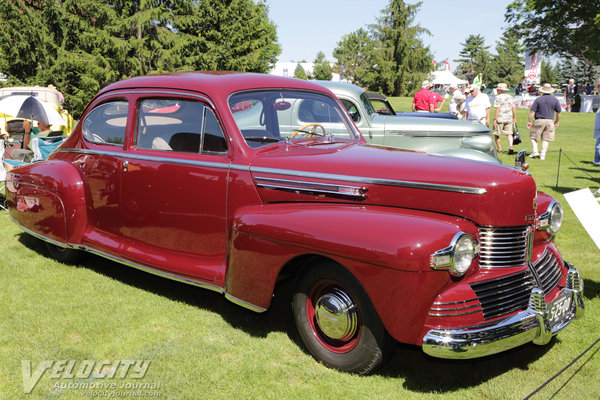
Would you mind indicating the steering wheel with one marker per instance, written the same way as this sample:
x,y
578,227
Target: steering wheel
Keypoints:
x,y
312,131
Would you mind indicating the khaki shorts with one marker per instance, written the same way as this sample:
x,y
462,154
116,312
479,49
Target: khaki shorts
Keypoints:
x,y
504,128
543,128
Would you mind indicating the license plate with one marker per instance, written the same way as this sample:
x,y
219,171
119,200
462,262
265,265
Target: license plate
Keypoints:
x,y
559,309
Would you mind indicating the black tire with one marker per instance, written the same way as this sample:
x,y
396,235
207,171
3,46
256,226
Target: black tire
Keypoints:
x,y
63,254
355,340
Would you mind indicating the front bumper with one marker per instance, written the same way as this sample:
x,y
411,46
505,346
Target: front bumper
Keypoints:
x,y
531,325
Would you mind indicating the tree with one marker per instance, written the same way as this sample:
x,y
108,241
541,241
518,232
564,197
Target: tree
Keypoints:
x,y
507,65
475,55
548,74
78,45
355,55
299,72
566,28
402,60
322,69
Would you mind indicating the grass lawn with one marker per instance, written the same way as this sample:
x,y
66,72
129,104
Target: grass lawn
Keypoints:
x,y
201,346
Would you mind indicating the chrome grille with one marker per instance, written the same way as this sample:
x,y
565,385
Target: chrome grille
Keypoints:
x,y
501,296
503,247
548,269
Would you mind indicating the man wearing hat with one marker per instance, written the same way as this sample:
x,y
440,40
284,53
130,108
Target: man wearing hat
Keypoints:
x,y
455,101
543,110
505,115
422,102
477,107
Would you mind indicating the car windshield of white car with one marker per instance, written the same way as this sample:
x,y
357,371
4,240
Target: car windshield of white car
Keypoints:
x,y
270,116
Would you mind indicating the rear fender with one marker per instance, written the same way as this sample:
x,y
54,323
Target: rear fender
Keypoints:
x,y
48,199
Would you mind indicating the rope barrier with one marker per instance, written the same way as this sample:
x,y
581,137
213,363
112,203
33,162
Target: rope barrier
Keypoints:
x,y
562,370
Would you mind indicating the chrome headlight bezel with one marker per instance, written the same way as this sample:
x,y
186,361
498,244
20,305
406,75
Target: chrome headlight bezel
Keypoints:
x,y
457,257
552,219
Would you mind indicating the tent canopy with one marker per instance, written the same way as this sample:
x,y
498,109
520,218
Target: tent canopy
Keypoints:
x,y
446,78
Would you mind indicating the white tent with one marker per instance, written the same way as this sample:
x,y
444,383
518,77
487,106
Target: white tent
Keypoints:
x,y
446,77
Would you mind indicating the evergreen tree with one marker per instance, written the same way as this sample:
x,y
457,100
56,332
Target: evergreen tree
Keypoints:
x,y
548,74
402,61
475,55
322,69
508,64
77,45
299,72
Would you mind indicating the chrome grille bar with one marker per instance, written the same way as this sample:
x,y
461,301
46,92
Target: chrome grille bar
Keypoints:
x,y
503,247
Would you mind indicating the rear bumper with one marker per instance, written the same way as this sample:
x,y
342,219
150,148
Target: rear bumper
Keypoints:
x,y
531,325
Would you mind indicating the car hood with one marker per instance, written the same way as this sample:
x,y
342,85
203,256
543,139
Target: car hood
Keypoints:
x,y
488,194
428,126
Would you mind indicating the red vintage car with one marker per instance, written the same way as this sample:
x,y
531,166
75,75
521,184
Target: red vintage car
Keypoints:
x,y
234,182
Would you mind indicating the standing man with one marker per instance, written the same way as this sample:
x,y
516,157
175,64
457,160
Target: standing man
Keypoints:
x,y
505,115
477,107
543,109
435,99
570,92
455,101
597,134
422,101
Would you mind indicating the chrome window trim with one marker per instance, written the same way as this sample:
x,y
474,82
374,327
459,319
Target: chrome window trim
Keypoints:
x,y
295,173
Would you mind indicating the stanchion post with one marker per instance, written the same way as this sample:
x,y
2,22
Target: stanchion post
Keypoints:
x,y
558,169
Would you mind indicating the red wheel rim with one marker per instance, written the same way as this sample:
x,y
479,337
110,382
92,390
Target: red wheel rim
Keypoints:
x,y
326,290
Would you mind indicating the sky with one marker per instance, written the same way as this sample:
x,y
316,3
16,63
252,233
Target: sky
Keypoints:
x,y
305,27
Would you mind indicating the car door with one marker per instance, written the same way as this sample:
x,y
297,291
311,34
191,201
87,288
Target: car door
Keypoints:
x,y
174,186
361,119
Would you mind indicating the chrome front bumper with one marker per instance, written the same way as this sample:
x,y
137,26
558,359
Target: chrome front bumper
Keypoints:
x,y
531,325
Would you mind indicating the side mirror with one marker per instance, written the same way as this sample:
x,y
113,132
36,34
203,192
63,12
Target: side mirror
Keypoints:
x,y
520,160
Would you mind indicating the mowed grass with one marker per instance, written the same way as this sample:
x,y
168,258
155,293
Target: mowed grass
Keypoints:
x,y
203,347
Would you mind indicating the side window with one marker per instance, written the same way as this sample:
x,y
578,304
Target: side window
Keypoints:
x,y
169,125
352,110
106,123
214,139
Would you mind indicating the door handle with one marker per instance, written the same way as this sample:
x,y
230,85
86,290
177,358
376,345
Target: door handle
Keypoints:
x,y
125,164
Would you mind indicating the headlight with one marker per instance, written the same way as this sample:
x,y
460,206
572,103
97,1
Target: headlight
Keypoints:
x,y
457,257
552,219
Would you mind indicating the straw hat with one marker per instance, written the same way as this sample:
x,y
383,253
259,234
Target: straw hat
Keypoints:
x,y
502,86
547,89
425,84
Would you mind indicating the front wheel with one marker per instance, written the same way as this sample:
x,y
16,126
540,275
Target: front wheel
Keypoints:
x,y
337,322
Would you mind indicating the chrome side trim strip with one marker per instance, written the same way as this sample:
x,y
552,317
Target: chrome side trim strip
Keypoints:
x,y
244,304
144,157
439,303
312,187
373,181
302,174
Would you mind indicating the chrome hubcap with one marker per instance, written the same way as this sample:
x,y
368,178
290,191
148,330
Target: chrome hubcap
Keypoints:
x,y
336,315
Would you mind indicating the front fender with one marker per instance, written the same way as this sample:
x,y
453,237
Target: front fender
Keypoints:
x,y
265,237
48,199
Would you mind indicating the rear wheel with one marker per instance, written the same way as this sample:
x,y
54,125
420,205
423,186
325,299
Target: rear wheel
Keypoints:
x,y
337,322
63,254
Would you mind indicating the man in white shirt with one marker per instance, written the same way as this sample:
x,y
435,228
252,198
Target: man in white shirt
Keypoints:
x,y
478,106
455,101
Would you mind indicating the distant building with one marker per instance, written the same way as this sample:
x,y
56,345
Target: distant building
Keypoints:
x,y
288,69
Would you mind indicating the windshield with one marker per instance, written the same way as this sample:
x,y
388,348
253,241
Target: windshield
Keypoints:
x,y
269,116
367,103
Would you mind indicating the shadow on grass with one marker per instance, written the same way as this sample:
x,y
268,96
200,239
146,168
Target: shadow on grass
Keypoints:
x,y
421,373
277,318
591,289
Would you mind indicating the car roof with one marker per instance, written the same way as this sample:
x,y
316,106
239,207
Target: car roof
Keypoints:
x,y
342,87
212,82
